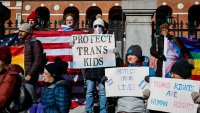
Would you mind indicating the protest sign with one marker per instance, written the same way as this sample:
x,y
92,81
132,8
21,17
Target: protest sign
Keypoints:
x,y
126,81
172,95
93,50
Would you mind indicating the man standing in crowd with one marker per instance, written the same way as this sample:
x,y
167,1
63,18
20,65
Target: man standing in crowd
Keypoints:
x,y
33,53
32,19
167,50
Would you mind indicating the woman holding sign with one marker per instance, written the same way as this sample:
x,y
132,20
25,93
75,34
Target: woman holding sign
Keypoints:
x,y
179,70
68,24
132,104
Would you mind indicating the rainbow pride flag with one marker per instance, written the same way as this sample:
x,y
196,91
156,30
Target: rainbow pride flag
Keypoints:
x,y
17,56
194,48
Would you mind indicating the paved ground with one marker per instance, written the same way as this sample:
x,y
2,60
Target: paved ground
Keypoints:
x,y
81,109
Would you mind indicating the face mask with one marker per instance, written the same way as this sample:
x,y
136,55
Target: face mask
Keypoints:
x,y
98,30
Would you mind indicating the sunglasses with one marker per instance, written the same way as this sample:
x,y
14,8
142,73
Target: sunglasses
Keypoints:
x,y
98,26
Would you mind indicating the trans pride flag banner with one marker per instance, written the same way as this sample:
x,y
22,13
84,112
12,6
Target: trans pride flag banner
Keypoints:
x,y
173,54
194,48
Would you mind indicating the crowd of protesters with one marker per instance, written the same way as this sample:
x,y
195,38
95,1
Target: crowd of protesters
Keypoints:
x,y
56,96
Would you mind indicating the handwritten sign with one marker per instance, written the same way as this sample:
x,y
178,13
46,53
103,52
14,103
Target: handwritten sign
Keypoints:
x,y
126,81
93,50
172,95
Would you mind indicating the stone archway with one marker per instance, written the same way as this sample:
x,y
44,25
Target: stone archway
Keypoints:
x,y
161,15
193,18
43,16
116,16
91,15
115,13
73,10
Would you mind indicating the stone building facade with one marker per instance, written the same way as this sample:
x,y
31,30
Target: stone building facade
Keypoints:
x,y
83,10
86,10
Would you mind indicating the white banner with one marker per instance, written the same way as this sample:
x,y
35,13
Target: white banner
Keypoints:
x,y
126,81
172,95
93,50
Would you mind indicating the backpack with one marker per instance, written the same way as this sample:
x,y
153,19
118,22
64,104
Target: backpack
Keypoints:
x,y
22,100
44,58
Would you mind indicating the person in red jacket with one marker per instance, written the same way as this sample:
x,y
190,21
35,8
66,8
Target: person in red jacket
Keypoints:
x,y
9,78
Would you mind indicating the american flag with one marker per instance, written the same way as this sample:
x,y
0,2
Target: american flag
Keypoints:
x,y
56,44
8,40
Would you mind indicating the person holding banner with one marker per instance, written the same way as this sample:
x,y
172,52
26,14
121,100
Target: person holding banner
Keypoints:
x,y
132,104
167,50
93,76
179,70
33,53
68,23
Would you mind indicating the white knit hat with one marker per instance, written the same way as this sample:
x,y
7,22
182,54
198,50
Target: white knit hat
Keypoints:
x,y
26,27
98,21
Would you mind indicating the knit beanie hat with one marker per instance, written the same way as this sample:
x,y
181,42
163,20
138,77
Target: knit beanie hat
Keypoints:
x,y
32,16
57,69
26,27
182,68
135,50
5,54
98,21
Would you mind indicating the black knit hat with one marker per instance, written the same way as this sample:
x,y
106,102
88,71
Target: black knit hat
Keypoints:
x,y
182,68
135,50
57,69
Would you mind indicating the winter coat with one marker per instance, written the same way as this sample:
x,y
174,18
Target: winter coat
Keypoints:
x,y
131,104
157,50
33,59
8,86
56,98
94,73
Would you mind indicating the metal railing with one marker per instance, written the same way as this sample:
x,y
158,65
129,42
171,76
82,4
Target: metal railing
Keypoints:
x,y
115,27
179,29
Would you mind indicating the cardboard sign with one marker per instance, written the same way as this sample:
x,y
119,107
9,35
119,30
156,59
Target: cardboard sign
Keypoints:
x,y
93,50
172,95
126,81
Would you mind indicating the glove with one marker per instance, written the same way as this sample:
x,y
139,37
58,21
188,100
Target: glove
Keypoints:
x,y
146,78
116,50
103,79
196,97
146,93
71,43
162,58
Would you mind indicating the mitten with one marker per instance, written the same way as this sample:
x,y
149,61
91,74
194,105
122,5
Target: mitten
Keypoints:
x,y
162,57
103,79
116,50
196,97
146,93
71,43
146,78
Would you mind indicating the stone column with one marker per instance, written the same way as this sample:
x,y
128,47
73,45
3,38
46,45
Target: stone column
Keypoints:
x,y
138,23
